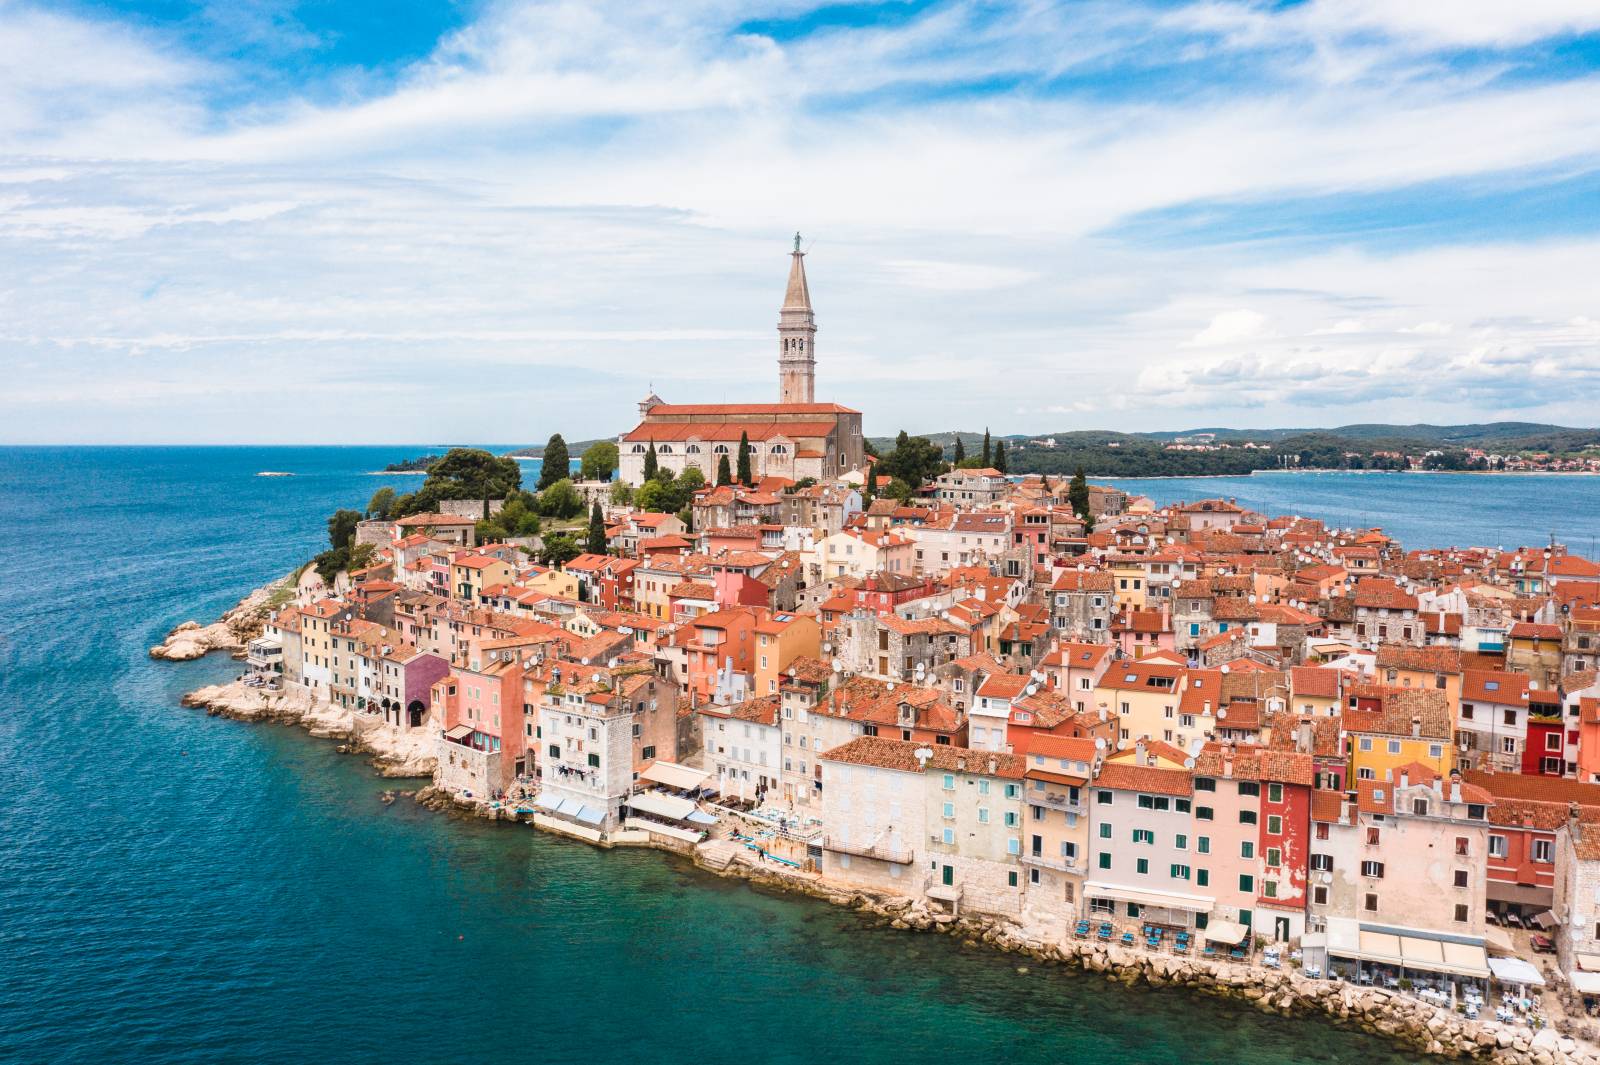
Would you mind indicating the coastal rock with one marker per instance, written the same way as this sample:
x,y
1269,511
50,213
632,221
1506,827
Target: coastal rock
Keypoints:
x,y
238,626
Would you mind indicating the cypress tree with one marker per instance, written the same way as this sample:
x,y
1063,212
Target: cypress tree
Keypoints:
x,y
650,462
597,530
961,451
1000,456
988,453
1078,494
557,463
724,474
744,460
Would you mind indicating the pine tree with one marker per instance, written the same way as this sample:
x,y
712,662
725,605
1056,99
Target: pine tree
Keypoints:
x,y
557,464
1000,456
988,453
597,530
1078,494
724,474
744,461
866,488
650,462
961,451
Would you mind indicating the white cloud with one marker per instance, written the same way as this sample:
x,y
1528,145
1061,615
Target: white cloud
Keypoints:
x,y
1230,327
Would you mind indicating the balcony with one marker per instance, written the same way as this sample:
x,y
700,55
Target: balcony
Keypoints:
x,y
878,849
1060,865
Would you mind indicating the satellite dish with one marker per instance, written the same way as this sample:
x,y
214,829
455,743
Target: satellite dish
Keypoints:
x,y
1188,763
1031,689
1099,743
1122,745
838,666
1222,712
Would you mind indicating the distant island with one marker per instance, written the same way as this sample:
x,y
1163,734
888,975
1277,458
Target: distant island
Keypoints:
x,y
420,464
1496,447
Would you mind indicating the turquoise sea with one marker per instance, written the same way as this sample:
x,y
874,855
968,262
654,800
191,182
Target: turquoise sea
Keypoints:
x,y
179,888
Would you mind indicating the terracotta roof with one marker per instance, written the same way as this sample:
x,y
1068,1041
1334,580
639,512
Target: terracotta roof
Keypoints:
x,y
900,755
1154,780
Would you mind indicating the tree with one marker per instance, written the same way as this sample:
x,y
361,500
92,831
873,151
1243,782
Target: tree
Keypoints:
x,y
914,460
867,487
961,451
651,497
599,461
342,528
1000,456
518,517
560,500
463,473
557,464
899,490
597,530
988,454
744,460
1078,494
559,549
381,503
621,493
724,474
650,462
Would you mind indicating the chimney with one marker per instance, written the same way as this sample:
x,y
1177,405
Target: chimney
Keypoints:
x,y
1455,786
1308,737
1138,752
961,764
994,764
1574,821
1405,779
1416,728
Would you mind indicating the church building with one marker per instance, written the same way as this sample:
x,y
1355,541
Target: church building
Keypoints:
x,y
795,437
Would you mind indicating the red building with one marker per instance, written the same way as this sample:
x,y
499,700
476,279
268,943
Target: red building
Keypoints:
x,y
1527,811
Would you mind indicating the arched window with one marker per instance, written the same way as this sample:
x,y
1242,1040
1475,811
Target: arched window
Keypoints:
x,y
639,449
692,449
780,449
664,450
720,449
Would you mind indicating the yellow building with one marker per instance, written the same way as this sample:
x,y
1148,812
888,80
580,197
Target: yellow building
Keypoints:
x,y
1144,696
471,574
1392,727
554,582
1400,666
780,639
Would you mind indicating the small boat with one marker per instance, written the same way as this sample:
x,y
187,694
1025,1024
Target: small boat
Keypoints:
x,y
274,473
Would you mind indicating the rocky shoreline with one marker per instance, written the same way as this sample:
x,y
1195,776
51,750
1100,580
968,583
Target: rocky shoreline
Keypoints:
x,y
393,754
239,625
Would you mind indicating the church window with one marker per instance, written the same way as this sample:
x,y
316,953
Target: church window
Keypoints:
x,y
692,449
664,449
720,449
780,449
638,449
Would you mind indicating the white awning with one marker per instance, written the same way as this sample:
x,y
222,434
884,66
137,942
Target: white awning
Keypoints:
x,y
674,775
1589,963
459,732
1498,940
1170,900
1407,948
1224,933
1545,920
687,835
1515,971
1585,983
589,814
654,802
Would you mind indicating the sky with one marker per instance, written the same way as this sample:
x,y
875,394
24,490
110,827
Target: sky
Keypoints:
x,y
354,221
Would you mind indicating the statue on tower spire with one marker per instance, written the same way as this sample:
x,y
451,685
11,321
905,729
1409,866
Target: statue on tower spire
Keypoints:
x,y
797,240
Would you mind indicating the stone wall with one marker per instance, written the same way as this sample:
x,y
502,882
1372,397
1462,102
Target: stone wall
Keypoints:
x,y
469,508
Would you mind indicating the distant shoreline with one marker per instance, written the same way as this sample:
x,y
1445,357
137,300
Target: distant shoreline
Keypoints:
x,y
1254,473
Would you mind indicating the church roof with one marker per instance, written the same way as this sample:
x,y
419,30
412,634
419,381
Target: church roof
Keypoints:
x,y
727,429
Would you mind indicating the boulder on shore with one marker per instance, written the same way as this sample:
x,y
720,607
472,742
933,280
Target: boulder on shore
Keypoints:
x,y
237,627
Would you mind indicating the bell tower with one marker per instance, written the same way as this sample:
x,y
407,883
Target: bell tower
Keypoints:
x,y
797,333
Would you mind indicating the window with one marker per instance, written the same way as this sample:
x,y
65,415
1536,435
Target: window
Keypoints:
x,y
1144,835
1180,842
1322,863
983,815
1181,805
1552,741
1274,792
1141,865
1269,888
1247,849
1180,872
949,810
1274,825
1202,844
1013,845
949,782
1370,903
1463,846
1202,813
1371,869
1319,896
1373,836
1247,817
1249,787
1204,784
1497,846
1202,877
1544,850
1366,743
1461,912
1461,878
1321,830
1101,797
1247,883
647,753
949,837
1105,831
1104,860
1274,857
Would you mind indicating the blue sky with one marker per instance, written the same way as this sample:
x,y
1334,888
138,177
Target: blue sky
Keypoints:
x,y
351,221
